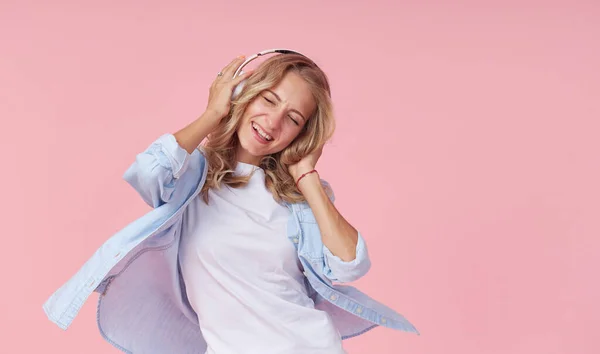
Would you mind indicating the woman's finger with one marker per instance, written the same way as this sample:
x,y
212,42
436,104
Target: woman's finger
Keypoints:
x,y
231,67
225,72
242,77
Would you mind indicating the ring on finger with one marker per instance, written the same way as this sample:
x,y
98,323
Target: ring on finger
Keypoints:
x,y
220,73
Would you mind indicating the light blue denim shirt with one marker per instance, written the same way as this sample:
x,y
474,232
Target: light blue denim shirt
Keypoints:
x,y
142,305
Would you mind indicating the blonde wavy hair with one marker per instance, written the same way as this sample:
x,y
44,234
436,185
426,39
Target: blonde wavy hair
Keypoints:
x,y
221,146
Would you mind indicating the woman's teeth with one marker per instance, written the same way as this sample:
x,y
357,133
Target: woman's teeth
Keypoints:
x,y
262,132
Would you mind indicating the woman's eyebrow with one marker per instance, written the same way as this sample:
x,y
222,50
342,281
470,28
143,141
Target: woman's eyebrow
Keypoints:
x,y
293,109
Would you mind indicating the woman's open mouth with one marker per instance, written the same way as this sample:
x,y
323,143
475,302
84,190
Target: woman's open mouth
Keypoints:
x,y
260,134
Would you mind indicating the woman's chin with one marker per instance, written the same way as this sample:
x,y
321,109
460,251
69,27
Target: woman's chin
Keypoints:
x,y
252,150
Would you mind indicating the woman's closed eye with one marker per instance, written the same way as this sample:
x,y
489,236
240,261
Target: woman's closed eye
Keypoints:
x,y
271,102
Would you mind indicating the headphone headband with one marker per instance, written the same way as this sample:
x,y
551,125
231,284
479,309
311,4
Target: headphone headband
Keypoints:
x,y
265,52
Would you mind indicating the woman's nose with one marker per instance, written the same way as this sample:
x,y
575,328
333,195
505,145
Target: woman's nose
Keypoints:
x,y
274,119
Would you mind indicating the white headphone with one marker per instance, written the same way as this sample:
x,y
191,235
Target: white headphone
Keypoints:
x,y
239,71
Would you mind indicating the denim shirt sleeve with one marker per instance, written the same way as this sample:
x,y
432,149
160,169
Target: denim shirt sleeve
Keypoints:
x,y
334,268
155,171
341,271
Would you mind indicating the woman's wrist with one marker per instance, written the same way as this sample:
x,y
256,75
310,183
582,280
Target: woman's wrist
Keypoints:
x,y
299,178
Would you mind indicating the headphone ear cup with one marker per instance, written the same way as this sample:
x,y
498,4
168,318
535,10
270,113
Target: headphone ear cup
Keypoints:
x,y
238,88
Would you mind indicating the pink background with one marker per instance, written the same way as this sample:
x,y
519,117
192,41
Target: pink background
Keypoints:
x,y
466,152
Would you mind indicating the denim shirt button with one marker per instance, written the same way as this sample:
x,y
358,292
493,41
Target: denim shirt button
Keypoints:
x,y
359,310
383,320
295,240
333,297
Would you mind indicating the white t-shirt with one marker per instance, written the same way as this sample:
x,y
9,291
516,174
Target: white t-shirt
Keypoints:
x,y
243,277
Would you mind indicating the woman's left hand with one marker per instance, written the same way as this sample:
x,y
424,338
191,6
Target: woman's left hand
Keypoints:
x,y
307,164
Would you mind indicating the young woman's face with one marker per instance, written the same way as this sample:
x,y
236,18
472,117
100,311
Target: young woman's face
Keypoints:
x,y
274,119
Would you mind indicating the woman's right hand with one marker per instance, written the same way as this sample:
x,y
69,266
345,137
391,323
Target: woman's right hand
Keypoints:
x,y
219,98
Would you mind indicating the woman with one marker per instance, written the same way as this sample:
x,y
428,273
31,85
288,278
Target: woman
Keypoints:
x,y
243,245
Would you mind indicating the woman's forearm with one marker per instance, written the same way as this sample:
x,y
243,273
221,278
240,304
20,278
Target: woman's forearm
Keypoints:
x,y
190,137
337,234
